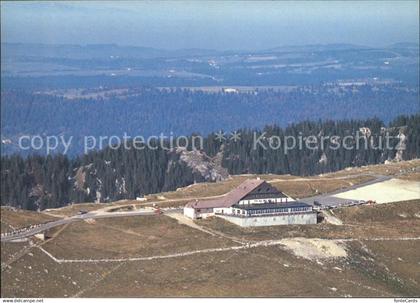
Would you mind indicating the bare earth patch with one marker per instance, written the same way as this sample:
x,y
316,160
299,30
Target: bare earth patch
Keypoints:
x,y
384,192
315,248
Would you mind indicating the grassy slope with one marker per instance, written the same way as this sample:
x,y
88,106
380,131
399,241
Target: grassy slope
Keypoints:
x,y
373,268
17,218
130,237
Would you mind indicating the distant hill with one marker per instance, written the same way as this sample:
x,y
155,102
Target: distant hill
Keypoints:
x,y
151,111
36,66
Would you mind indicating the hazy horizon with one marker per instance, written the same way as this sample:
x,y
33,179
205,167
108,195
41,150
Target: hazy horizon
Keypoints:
x,y
231,25
198,48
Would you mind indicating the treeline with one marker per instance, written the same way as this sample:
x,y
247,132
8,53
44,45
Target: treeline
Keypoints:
x,y
39,182
366,144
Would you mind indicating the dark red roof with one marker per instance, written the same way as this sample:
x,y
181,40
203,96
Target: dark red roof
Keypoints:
x,y
233,197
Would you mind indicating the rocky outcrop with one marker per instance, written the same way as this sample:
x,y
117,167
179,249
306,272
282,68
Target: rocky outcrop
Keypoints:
x,y
209,168
401,146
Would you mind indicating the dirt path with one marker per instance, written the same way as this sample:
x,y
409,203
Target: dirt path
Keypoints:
x,y
94,283
289,243
121,230
27,249
186,221
330,218
17,256
90,215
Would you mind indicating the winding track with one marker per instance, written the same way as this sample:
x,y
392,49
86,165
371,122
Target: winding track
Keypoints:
x,y
91,215
264,243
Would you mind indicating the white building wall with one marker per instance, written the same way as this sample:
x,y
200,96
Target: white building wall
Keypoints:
x,y
194,213
259,201
189,212
205,215
289,199
307,218
223,210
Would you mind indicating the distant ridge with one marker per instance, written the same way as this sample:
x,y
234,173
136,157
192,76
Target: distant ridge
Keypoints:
x,y
318,47
404,45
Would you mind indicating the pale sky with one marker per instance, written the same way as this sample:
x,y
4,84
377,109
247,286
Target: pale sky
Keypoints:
x,y
212,25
